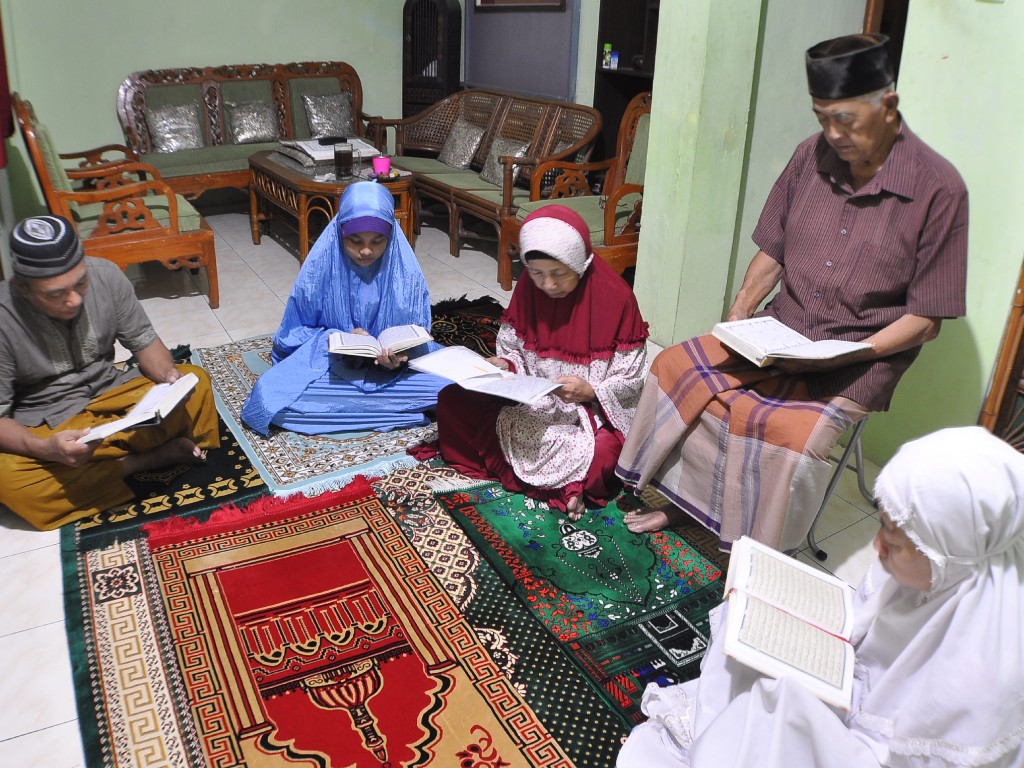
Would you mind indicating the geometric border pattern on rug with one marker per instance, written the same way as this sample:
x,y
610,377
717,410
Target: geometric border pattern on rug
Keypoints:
x,y
251,662
575,714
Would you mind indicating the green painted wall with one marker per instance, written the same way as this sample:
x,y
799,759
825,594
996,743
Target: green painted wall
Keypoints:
x,y
959,88
730,106
960,91
68,58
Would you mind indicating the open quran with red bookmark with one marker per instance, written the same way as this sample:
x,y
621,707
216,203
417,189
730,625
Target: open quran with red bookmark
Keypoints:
x,y
788,619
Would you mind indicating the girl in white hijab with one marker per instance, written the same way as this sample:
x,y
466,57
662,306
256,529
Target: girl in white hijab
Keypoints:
x,y
939,639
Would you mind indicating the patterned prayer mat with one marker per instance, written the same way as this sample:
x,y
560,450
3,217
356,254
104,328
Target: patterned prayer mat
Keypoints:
x,y
568,705
628,609
309,631
227,475
312,464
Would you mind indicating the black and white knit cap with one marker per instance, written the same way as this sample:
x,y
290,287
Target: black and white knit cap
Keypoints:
x,y
44,246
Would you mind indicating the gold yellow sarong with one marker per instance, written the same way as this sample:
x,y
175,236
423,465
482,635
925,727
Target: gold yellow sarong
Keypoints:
x,y
48,494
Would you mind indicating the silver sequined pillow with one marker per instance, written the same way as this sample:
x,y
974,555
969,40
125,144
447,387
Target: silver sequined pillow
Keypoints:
x,y
329,115
493,170
175,127
251,121
461,144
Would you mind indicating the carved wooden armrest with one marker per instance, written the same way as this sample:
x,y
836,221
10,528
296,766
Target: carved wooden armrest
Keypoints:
x,y
116,173
124,208
630,231
95,156
572,180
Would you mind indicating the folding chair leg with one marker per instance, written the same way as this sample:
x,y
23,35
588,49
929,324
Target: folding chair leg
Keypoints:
x,y
852,447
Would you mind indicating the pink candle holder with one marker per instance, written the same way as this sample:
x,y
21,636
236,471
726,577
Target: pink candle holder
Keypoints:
x,y
382,165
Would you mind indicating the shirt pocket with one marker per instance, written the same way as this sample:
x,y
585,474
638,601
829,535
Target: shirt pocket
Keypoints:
x,y
883,271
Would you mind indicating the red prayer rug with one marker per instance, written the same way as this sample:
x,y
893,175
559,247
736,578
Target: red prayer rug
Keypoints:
x,y
305,632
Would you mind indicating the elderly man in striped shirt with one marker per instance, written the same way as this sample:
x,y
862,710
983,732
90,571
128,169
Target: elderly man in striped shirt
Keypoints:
x,y
865,235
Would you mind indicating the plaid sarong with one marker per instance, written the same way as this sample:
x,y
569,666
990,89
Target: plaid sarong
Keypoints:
x,y
743,450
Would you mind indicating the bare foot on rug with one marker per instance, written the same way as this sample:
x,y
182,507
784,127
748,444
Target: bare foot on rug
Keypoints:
x,y
647,520
574,508
181,450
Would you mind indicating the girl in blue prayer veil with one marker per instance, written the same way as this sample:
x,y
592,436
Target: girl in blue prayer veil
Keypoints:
x,y
361,275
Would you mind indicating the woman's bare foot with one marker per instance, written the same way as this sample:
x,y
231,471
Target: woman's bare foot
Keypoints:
x,y
181,450
647,520
574,508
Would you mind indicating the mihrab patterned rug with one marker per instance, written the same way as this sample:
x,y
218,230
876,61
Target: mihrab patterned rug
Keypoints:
x,y
312,631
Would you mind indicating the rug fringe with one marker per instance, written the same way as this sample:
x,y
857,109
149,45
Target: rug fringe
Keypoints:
x,y
448,305
449,484
326,485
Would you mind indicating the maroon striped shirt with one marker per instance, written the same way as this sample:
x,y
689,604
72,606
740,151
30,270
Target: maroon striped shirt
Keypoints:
x,y
854,262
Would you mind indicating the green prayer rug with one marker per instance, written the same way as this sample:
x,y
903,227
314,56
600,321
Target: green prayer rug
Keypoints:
x,y
628,609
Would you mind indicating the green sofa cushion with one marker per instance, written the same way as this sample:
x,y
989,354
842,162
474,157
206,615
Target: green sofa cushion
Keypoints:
x,y
461,180
54,166
493,195
189,220
423,165
638,157
589,208
226,157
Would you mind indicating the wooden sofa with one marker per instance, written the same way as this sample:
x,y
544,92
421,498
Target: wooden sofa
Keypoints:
x,y
607,194
220,163
553,129
121,208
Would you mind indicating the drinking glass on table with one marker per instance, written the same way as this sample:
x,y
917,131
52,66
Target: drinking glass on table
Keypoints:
x,y
343,160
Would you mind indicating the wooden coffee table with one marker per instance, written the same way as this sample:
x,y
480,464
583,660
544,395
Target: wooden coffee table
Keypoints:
x,y
277,180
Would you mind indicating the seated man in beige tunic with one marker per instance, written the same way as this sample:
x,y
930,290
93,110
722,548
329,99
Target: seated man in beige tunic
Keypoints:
x,y
60,315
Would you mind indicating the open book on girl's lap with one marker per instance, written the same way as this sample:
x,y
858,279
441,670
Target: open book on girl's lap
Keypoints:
x,y
471,371
763,340
398,338
788,619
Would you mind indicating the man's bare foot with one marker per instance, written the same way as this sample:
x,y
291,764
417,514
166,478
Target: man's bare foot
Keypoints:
x,y
647,520
574,508
181,450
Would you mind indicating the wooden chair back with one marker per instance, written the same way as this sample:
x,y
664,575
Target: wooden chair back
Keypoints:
x,y
1002,412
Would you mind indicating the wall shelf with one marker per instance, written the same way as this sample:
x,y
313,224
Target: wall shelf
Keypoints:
x,y
631,26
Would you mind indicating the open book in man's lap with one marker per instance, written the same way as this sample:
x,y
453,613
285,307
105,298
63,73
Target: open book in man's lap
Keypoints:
x,y
763,340
788,619
398,338
152,409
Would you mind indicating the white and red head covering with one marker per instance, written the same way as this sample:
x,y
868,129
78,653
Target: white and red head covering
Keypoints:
x,y
597,319
560,233
943,670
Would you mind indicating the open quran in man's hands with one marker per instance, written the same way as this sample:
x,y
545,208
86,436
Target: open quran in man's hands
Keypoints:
x,y
787,619
763,340
471,371
160,400
398,338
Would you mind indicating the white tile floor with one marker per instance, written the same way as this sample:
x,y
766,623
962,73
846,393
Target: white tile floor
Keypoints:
x,y
38,719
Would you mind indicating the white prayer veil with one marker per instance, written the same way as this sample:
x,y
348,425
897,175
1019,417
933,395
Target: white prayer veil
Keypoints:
x,y
942,673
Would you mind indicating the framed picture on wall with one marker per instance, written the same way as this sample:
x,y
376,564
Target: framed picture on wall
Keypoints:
x,y
520,5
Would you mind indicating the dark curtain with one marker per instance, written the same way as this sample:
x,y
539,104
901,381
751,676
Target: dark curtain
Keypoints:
x,y
6,121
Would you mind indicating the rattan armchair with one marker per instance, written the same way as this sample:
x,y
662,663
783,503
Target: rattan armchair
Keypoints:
x,y
607,194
